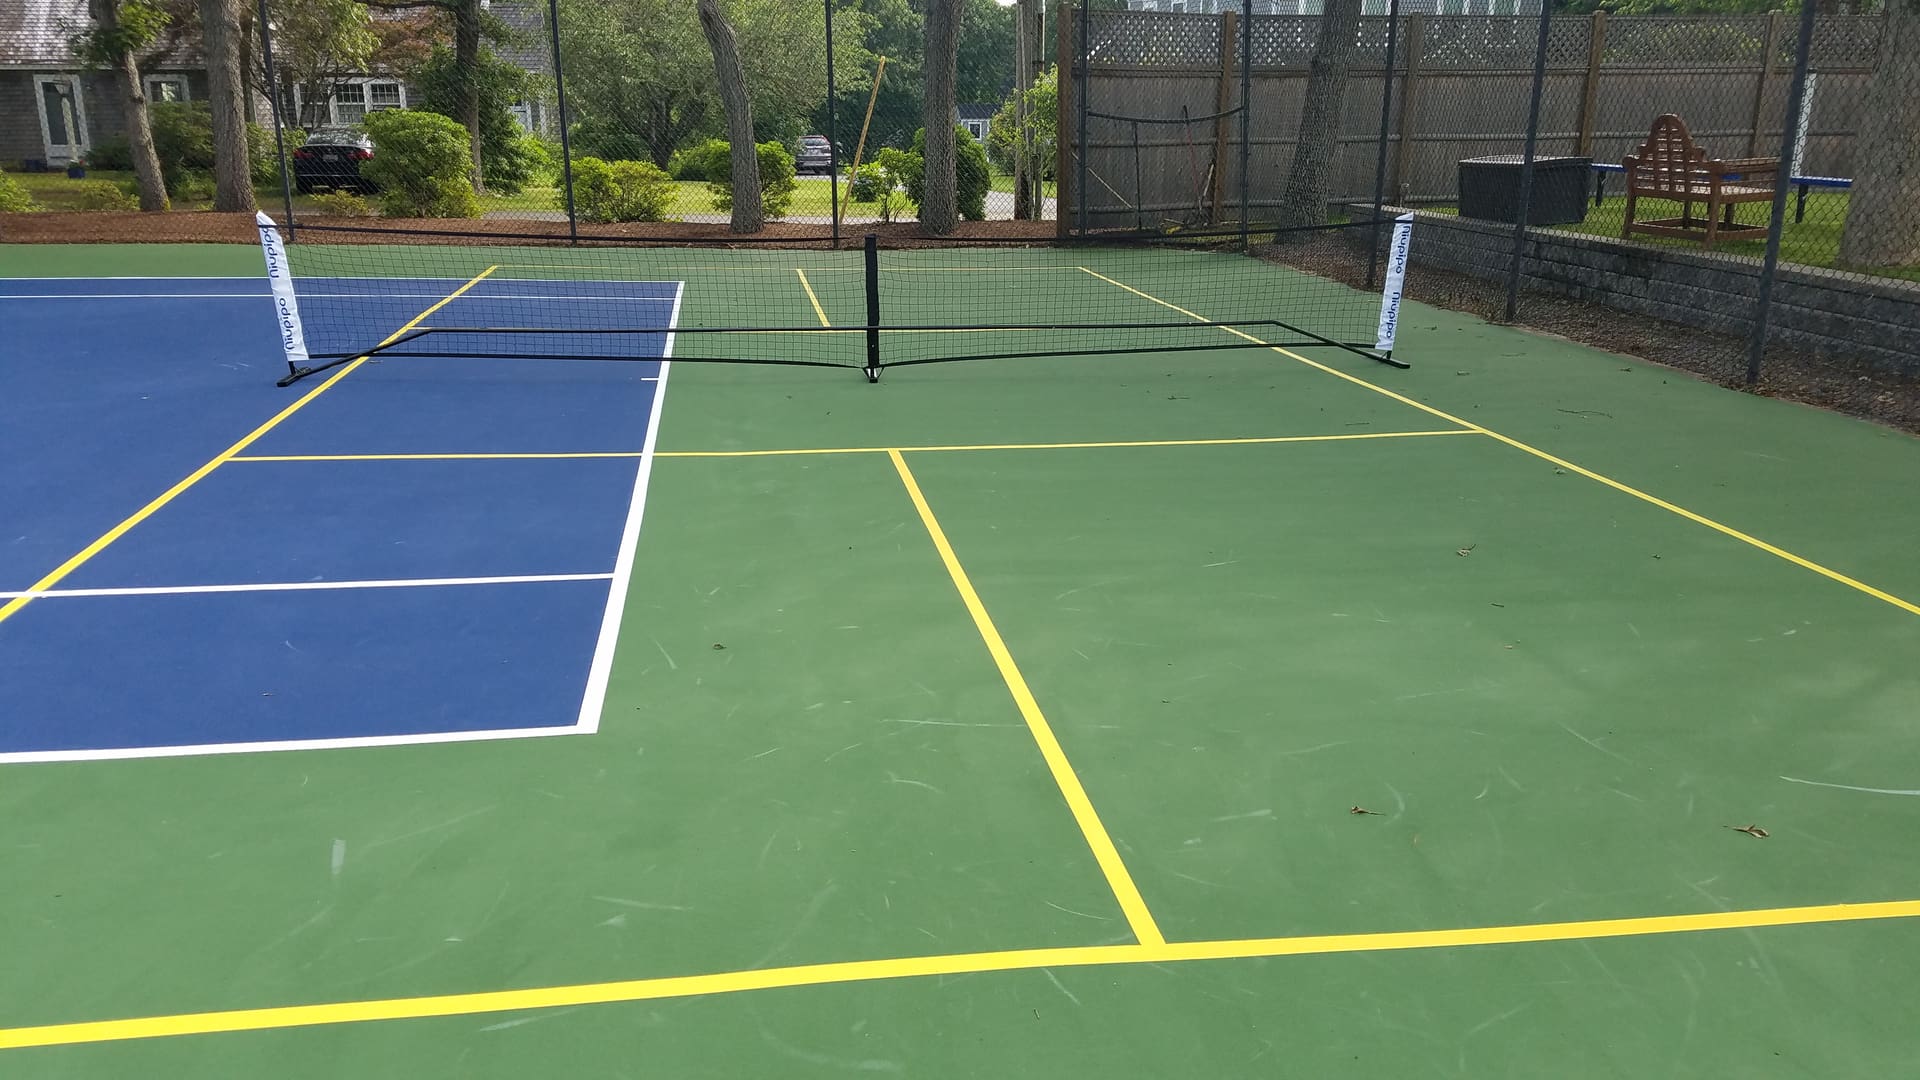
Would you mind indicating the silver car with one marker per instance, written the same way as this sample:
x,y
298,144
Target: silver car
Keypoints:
x,y
816,155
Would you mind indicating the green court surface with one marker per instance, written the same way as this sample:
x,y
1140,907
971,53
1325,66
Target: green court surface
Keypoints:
x,y
1365,723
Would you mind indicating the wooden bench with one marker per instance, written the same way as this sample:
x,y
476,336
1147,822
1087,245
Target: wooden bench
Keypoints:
x,y
1670,166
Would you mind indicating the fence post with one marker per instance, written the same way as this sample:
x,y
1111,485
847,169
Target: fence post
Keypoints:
x,y
1246,131
1590,89
1222,98
1082,61
1380,150
1409,98
273,97
1770,267
1064,196
833,133
1776,24
1525,209
560,96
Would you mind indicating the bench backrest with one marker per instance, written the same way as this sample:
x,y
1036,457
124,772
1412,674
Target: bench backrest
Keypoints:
x,y
1669,160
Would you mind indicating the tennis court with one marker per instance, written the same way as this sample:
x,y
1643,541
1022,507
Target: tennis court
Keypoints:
x,y
1244,712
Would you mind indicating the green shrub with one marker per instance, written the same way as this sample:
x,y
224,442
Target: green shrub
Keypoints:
x,y
262,162
13,196
103,195
507,164
182,139
112,155
777,185
690,163
592,137
342,204
192,185
421,163
972,175
618,190
870,182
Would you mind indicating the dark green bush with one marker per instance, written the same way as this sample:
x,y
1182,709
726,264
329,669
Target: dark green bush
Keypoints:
x,y
870,182
113,155
777,185
592,137
619,190
972,174
421,162
507,165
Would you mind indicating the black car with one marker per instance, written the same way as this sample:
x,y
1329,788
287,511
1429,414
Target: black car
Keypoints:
x,y
331,158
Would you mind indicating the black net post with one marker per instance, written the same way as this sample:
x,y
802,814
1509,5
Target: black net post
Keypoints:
x,y
1770,265
873,307
1380,151
1525,210
1246,126
833,130
560,101
273,105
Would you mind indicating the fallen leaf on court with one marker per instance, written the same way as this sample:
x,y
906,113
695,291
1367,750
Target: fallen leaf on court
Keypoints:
x,y
1750,830
1465,551
717,645
1362,810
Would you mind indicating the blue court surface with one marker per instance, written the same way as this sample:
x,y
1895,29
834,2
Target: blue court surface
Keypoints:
x,y
433,549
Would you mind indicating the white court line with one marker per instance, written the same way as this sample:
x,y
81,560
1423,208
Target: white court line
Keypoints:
x,y
601,669
312,297
27,757
303,586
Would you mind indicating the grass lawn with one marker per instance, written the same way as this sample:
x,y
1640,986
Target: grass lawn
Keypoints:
x,y
1003,183
1814,241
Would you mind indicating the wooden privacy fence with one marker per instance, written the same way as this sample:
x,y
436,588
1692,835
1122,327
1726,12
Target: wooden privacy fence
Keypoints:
x,y
1163,100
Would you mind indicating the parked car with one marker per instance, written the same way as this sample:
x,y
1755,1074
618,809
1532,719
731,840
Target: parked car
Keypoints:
x,y
816,155
331,158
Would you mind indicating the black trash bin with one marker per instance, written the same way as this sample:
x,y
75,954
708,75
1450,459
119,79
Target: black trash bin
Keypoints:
x,y
1490,189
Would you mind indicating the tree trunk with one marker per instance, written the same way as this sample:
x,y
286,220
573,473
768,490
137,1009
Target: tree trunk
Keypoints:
x,y
748,217
939,207
1309,185
226,97
1883,214
146,164
466,66
1025,206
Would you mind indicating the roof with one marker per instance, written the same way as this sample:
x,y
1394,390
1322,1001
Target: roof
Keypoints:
x,y
34,33
976,110
528,47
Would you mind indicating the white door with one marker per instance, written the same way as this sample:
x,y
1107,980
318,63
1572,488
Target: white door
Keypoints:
x,y
63,119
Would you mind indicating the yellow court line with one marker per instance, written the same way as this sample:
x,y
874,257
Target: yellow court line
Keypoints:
x,y
1121,882
807,285
683,986
1698,519
79,559
808,451
966,448
438,457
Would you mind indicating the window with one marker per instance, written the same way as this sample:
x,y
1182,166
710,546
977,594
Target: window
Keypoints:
x,y
350,102
166,88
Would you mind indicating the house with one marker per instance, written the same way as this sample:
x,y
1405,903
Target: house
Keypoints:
x,y
1368,7
975,116
52,108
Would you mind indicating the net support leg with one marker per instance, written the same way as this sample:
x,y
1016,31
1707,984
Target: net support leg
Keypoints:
x,y
873,307
1395,287
286,307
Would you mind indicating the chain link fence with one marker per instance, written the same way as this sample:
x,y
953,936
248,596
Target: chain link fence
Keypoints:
x,y
1701,190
